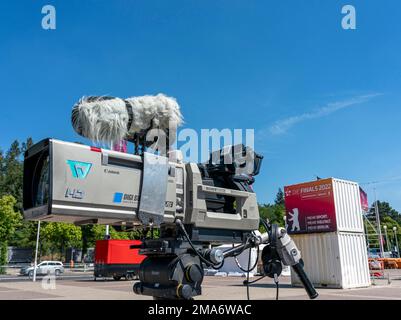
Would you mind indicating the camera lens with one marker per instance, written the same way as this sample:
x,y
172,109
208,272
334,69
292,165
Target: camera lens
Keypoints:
x,y
42,177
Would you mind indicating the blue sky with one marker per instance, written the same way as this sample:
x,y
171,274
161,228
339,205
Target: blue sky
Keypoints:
x,y
322,100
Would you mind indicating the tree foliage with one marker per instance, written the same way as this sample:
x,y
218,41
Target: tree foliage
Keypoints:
x,y
10,219
11,174
3,256
385,210
390,218
62,235
11,170
275,213
279,197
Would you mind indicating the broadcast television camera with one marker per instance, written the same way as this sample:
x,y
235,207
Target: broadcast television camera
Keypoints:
x,y
193,205
81,184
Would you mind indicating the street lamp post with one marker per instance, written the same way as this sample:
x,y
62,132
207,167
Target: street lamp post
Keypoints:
x,y
396,241
378,227
387,242
107,233
36,252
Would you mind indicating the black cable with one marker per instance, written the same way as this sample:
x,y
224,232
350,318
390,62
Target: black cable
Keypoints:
x,y
242,250
249,269
268,228
247,282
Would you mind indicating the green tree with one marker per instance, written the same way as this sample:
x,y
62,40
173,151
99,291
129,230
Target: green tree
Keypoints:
x,y
87,237
1,171
11,176
390,223
3,256
9,218
388,217
385,210
100,231
91,233
11,171
274,213
27,144
61,236
25,235
279,197
9,221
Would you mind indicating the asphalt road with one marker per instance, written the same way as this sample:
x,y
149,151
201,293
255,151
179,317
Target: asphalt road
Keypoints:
x,y
63,277
83,287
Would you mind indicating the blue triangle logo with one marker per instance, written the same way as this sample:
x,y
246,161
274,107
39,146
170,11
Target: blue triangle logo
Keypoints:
x,y
79,169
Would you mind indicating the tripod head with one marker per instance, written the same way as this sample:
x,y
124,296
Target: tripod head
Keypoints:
x,y
179,265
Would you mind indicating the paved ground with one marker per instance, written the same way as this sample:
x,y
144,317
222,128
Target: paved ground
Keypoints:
x,y
82,287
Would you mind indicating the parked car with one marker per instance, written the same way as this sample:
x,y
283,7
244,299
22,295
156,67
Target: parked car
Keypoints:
x,y
44,268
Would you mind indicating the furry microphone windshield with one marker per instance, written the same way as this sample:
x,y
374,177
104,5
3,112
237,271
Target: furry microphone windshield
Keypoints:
x,y
110,120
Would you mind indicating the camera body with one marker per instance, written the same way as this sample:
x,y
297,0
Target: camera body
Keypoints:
x,y
80,184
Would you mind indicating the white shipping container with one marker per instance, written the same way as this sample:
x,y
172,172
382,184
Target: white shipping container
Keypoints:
x,y
335,259
348,206
324,205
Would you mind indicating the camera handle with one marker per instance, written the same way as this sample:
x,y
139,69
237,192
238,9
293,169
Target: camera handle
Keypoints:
x,y
280,248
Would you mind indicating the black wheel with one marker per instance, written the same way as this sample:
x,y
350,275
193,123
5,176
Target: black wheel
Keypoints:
x,y
117,278
30,274
129,276
57,272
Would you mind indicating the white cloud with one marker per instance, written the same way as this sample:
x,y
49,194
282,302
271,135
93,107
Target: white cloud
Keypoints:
x,y
282,126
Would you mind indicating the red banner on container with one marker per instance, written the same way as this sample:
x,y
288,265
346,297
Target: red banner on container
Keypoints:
x,y
310,207
364,200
